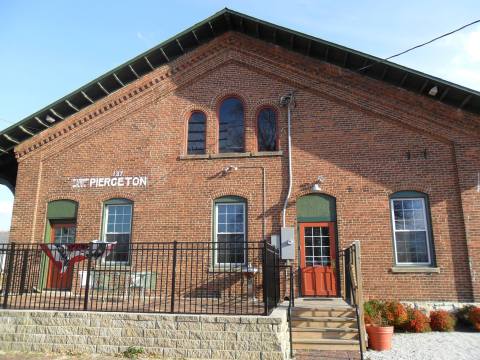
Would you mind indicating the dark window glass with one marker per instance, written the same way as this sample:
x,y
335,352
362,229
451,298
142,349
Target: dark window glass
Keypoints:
x,y
196,133
267,130
231,137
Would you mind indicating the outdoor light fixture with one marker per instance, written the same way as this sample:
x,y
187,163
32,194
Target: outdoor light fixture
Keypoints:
x,y
433,91
317,186
49,119
229,168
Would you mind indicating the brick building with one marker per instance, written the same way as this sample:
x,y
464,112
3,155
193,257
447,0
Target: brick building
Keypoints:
x,y
190,142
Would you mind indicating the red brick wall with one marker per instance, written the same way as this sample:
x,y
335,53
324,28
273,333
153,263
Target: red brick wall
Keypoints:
x,y
354,131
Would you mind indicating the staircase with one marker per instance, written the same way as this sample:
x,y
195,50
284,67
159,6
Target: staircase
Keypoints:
x,y
324,324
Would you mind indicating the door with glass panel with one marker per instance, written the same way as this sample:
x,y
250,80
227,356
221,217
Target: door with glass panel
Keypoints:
x,y
61,234
317,259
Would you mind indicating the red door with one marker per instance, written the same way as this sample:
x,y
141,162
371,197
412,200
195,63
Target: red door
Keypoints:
x,y
317,259
61,234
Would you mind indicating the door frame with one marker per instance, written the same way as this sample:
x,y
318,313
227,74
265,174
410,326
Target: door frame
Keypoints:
x,y
53,226
301,253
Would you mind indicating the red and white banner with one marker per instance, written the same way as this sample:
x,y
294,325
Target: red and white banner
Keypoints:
x,y
65,255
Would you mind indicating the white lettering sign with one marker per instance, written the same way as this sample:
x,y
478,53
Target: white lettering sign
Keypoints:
x,y
118,180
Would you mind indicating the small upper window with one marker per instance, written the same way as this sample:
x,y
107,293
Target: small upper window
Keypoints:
x,y
267,130
196,133
411,230
231,129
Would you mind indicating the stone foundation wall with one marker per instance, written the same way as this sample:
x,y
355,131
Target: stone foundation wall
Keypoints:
x,y
167,335
428,306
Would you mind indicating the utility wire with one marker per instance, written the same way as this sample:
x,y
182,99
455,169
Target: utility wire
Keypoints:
x,y
418,46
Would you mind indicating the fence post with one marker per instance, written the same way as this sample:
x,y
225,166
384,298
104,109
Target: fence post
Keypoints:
x,y
87,285
264,270
8,283
23,277
174,263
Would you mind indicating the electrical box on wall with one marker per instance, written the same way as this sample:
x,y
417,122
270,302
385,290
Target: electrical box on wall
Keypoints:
x,y
287,240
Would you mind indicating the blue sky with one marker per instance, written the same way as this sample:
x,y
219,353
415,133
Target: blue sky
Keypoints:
x,y
49,48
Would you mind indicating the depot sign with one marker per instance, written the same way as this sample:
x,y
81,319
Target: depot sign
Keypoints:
x,y
117,180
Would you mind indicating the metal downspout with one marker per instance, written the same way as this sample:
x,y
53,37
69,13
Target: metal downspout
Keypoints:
x,y
289,101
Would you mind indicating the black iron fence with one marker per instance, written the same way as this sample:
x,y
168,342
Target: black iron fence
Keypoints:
x,y
170,277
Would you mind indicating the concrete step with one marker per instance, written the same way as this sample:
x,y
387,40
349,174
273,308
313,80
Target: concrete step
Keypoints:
x,y
323,322
326,344
324,333
324,312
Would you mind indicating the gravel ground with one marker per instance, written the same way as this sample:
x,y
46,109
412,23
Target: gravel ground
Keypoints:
x,y
431,346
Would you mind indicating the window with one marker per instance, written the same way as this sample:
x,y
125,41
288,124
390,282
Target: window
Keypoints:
x,y
267,130
317,245
230,231
411,229
231,127
118,227
196,133
64,233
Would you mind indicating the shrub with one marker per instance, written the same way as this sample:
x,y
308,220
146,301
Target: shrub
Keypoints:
x,y
474,317
374,313
463,314
417,321
132,352
442,320
396,314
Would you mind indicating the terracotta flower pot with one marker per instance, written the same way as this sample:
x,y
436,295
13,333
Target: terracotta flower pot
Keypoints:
x,y
380,337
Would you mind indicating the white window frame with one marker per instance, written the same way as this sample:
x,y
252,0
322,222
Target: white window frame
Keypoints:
x,y
105,226
427,232
216,233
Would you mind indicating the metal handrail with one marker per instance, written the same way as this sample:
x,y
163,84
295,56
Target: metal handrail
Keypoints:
x,y
351,264
291,303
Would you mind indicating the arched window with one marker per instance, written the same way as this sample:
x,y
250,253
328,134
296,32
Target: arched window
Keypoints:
x,y
412,233
231,126
117,227
196,133
230,230
267,130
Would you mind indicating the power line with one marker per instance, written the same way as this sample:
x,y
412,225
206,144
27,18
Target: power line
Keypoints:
x,y
418,46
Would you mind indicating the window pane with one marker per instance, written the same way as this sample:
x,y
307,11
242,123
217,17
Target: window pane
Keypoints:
x,y
412,246
267,130
121,250
231,137
196,133
317,246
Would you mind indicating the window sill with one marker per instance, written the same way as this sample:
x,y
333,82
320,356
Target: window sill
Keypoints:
x,y
415,269
231,155
233,269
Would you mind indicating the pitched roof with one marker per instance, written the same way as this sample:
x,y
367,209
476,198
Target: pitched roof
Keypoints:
x,y
229,20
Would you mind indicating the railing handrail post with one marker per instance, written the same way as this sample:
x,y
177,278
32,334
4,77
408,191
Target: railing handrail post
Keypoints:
x,y
264,271
174,263
87,284
358,275
11,259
